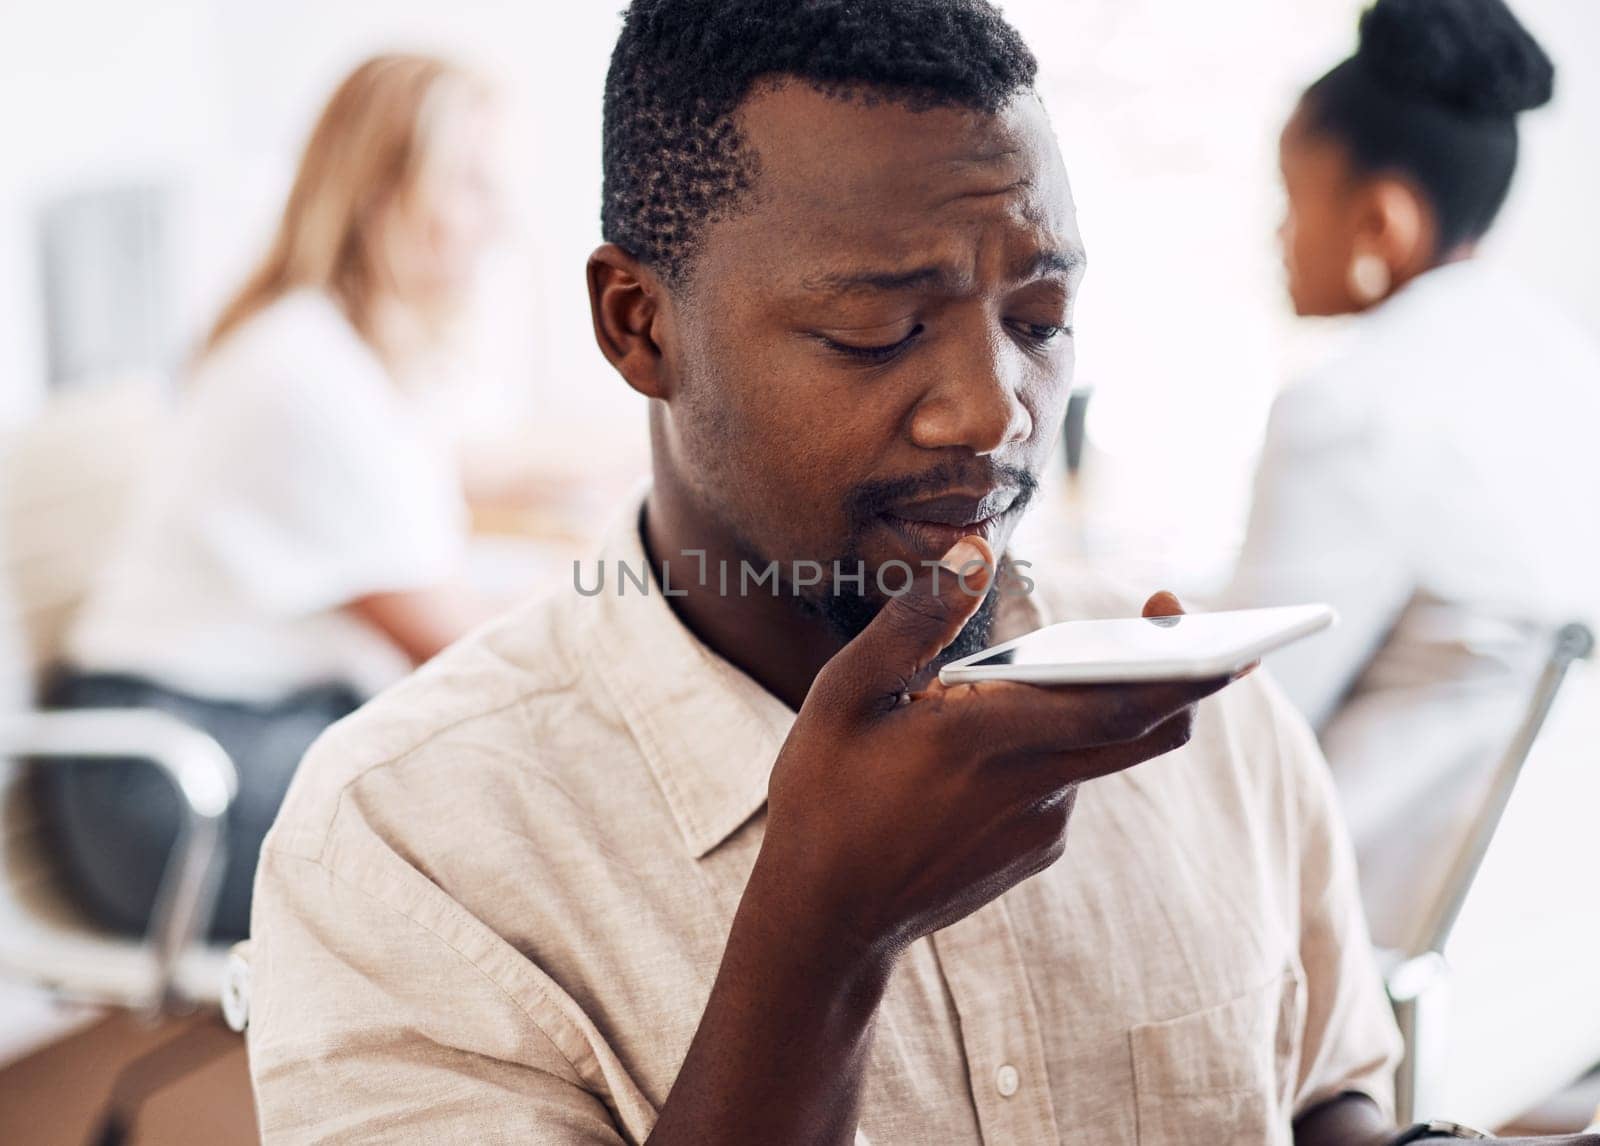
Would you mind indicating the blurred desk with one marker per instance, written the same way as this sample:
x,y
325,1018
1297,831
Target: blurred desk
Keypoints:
x,y
524,546
509,568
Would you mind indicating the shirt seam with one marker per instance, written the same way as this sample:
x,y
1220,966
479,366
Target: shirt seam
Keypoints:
x,y
389,760
510,997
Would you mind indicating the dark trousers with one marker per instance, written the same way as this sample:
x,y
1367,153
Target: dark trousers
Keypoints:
x,y
115,820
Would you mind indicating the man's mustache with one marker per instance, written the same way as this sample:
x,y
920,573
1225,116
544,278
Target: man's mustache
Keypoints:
x,y
870,500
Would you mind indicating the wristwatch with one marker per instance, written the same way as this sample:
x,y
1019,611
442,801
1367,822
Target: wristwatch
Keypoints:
x,y
1438,1128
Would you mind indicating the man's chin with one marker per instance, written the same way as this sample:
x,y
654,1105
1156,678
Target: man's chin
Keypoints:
x,y
975,636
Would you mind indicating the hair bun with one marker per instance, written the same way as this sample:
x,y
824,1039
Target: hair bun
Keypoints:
x,y
1471,55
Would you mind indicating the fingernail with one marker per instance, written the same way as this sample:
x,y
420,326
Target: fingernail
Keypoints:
x,y
961,555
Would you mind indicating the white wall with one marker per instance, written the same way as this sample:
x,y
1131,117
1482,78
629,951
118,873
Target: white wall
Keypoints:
x,y
1549,231
1168,112
90,93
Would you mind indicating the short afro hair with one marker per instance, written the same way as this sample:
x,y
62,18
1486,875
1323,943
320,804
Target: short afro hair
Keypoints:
x,y
673,157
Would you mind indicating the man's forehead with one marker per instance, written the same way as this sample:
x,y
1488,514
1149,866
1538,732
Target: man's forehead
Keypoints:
x,y
868,169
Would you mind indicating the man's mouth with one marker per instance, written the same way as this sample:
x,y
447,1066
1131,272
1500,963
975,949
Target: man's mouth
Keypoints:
x,y
930,527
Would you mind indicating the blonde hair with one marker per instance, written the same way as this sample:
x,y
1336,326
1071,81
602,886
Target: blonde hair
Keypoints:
x,y
369,148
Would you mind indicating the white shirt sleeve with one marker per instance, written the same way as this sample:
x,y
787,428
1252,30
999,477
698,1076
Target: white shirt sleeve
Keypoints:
x,y
322,486
1321,530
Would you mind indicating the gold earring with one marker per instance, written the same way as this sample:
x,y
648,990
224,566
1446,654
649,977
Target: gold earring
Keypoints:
x,y
1368,278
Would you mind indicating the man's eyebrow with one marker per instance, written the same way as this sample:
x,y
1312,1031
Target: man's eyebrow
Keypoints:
x,y
1062,261
885,280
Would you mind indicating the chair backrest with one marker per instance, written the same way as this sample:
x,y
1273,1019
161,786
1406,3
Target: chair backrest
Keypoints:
x,y
15,675
65,482
1524,983
34,900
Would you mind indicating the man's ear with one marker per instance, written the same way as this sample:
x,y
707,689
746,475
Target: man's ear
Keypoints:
x,y
627,304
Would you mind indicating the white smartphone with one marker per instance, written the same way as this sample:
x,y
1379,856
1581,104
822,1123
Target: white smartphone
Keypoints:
x,y
1194,646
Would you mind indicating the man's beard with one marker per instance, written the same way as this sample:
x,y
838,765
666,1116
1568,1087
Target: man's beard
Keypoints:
x,y
848,614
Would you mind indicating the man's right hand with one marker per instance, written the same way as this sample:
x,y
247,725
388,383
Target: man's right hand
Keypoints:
x,y
893,813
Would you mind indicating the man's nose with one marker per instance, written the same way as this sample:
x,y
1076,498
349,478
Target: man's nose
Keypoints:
x,y
975,402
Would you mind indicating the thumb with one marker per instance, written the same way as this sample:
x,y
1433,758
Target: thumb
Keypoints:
x,y
913,628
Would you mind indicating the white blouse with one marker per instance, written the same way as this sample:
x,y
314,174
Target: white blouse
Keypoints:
x,y
1437,483
301,478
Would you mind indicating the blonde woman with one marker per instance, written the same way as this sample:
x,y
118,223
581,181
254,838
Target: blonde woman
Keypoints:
x,y
299,548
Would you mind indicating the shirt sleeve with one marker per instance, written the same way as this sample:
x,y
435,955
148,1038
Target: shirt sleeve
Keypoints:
x,y
319,489
369,1025
1349,1039
1319,531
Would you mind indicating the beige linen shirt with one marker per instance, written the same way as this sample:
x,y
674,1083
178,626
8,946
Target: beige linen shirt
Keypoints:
x,y
494,903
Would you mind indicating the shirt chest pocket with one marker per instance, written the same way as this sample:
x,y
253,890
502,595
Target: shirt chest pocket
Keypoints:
x,y
1222,1074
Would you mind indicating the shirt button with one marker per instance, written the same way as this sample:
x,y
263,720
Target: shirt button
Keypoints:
x,y
1006,1080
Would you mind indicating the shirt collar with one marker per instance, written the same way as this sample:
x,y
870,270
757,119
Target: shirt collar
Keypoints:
x,y
708,732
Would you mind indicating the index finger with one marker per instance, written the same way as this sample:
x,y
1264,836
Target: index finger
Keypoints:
x,y
1163,604
1166,604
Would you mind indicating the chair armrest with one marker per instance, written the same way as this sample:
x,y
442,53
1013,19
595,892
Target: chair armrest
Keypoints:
x,y
1418,990
1418,980
236,987
206,782
1573,642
